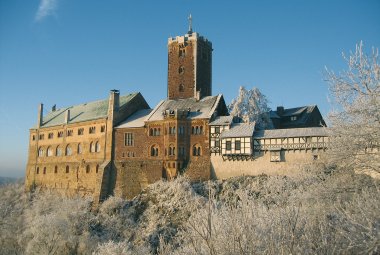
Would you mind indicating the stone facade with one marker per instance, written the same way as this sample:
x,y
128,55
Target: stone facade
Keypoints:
x,y
75,157
189,66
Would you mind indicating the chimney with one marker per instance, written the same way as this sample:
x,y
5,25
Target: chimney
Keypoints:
x,y
113,104
280,110
53,108
40,115
67,116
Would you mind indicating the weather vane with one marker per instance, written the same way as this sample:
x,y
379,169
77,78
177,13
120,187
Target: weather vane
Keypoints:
x,y
190,24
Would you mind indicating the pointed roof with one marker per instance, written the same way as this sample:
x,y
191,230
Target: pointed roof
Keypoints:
x,y
198,109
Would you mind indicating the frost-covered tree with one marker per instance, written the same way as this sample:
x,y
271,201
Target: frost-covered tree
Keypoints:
x,y
356,118
251,105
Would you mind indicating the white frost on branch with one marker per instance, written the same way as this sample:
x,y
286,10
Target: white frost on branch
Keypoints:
x,y
251,105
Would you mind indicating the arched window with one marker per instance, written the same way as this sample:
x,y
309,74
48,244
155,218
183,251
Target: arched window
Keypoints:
x,y
58,151
97,147
197,150
201,130
87,169
92,147
171,150
174,130
97,168
158,131
151,132
37,170
49,152
68,150
154,151
67,169
197,130
79,148
56,169
40,152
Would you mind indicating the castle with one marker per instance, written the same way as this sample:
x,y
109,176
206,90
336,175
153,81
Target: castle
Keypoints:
x,y
119,145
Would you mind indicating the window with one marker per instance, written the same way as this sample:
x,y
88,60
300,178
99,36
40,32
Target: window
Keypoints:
x,y
171,150
181,151
181,88
42,136
182,53
154,151
217,130
37,170
70,132
228,145
40,152
92,147
49,152
87,169
172,131
56,169
67,169
293,118
128,139
80,131
50,136
97,169
237,145
58,151
181,70
196,150
60,134
79,150
102,129
91,130
275,156
33,137
315,157
181,130
97,147
68,150
44,172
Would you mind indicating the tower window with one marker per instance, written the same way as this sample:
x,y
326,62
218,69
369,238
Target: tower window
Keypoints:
x,y
182,53
50,136
91,130
181,88
60,134
80,131
181,70
70,132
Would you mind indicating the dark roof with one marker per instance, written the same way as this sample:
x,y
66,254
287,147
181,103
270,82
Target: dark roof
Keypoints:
x,y
239,130
304,117
291,132
202,109
82,112
136,120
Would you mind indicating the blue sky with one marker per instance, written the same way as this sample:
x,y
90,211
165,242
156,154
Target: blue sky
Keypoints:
x,y
68,52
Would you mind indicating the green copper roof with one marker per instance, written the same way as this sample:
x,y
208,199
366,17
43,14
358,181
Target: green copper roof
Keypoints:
x,y
82,112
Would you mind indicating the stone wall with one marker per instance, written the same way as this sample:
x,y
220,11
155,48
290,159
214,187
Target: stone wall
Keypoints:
x,y
293,162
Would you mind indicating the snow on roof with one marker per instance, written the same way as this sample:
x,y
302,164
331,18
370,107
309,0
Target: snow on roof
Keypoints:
x,y
222,120
202,109
291,132
136,120
239,130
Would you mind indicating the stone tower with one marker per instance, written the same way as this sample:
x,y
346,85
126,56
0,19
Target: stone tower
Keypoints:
x,y
189,66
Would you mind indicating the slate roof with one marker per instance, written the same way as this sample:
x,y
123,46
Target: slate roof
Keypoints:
x,y
82,112
291,132
239,130
303,114
222,120
202,109
136,120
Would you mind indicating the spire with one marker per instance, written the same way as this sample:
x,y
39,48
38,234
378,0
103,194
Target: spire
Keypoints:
x,y
190,24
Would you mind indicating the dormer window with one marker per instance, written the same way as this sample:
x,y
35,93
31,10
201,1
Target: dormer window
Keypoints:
x,y
293,118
